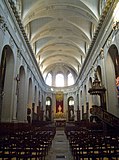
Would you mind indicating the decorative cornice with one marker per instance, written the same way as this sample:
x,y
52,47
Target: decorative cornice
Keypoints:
x,y
101,20
19,23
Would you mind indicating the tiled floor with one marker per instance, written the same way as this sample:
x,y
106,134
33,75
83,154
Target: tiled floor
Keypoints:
x,y
60,147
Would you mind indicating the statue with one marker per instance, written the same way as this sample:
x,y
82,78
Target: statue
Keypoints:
x,y
71,113
47,113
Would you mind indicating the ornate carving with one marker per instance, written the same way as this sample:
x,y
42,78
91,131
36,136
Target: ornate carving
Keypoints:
x,y
109,42
102,53
115,25
1,19
59,96
18,54
98,89
11,43
59,115
3,25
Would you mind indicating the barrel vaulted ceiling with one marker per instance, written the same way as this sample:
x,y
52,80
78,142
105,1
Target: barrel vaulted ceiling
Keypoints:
x,y
60,31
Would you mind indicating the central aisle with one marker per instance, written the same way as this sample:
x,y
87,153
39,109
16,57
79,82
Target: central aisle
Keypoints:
x,y
60,149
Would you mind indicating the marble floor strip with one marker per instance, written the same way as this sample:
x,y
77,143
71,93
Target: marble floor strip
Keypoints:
x,y
60,149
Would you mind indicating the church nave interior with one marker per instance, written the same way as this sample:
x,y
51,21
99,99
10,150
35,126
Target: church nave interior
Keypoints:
x,y
59,79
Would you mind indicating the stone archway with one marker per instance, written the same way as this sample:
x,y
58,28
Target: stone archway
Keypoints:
x,y
21,94
103,97
112,74
29,102
6,84
90,97
34,105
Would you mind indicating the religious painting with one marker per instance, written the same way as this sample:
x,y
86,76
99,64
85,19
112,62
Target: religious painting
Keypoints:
x,y
59,102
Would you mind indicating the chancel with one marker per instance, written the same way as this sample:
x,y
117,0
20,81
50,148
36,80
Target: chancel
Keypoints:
x,y
59,79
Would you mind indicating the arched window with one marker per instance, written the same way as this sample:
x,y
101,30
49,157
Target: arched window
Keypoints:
x,y
115,60
48,101
70,79
59,80
49,79
71,101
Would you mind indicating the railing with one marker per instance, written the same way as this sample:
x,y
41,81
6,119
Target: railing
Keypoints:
x,y
105,116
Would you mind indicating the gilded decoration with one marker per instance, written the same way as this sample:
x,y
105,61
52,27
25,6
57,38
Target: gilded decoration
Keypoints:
x,y
59,96
59,115
59,105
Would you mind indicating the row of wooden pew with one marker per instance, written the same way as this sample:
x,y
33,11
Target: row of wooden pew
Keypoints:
x,y
32,143
93,144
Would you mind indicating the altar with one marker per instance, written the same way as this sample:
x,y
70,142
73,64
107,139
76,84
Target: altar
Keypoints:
x,y
59,112
60,119
60,122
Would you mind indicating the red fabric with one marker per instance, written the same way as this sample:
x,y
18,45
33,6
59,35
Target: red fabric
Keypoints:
x,y
59,103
